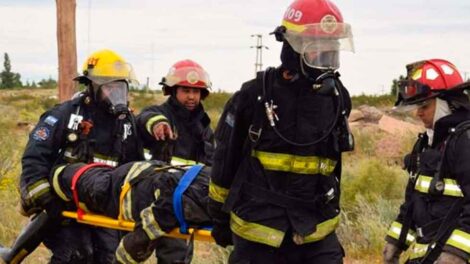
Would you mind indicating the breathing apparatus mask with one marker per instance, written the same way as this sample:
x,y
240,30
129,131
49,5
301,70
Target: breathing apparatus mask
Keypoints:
x,y
113,97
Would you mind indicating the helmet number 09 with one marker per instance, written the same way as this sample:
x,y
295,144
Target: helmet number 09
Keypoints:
x,y
292,14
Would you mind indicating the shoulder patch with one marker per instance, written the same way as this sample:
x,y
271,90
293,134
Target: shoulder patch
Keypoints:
x,y
41,134
51,120
230,119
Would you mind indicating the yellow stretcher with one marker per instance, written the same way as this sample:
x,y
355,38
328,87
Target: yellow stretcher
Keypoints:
x,y
108,222
90,218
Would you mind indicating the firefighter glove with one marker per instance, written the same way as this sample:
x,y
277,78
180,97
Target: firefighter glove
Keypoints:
x,y
391,254
54,207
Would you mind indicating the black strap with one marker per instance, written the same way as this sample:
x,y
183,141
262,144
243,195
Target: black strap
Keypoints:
x,y
443,233
259,118
418,147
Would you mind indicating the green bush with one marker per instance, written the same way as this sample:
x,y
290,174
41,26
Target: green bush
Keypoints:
x,y
373,100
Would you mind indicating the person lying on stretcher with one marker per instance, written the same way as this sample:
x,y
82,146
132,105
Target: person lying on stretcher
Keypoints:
x,y
148,201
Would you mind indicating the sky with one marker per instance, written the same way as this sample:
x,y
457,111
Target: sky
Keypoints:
x,y
154,34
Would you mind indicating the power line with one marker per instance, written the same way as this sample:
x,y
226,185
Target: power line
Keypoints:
x,y
89,26
259,52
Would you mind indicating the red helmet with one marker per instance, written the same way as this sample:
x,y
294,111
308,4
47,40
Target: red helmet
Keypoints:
x,y
186,73
315,28
427,79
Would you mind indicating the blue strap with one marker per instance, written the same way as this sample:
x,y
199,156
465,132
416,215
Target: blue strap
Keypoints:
x,y
183,184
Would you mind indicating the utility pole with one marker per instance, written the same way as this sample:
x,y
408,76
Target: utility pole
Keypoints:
x,y
67,49
259,52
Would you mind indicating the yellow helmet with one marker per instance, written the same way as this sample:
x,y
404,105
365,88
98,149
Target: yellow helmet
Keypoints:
x,y
106,66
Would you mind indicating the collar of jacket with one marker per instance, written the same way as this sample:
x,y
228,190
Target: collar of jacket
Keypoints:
x,y
181,112
442,126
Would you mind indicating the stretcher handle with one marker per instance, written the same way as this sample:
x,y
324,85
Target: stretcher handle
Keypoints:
x,y
108,222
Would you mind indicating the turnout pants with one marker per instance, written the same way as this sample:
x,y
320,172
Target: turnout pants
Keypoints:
x,y
326,251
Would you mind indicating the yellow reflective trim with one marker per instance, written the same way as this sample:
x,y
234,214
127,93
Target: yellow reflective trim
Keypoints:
x,y
180,161
82,205
294,163
38,188
451,188
422,183
417,250
417,74
395,231
293,27
147,154
460,239
56,184
124,190
135,170
217,193
256,232
19,256
104,157
122,256
150,224
153,120
323,229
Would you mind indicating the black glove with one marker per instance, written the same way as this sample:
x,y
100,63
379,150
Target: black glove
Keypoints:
x,y
222,235
54,207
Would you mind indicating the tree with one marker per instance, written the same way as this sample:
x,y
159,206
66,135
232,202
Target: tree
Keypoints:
x,y
396,84
8,78
48,83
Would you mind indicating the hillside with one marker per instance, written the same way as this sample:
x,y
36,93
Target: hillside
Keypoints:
x,y
372,181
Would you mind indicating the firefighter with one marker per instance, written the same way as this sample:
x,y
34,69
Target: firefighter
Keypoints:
x,y
433,222
95,126
277,167
179,131
181,119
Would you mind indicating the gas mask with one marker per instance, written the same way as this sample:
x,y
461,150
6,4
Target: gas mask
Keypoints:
x,y
113,96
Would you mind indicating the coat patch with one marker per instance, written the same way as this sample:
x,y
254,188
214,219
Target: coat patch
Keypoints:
x,y
41,134
51,120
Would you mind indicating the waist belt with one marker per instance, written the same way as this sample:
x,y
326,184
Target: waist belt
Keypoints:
x,y
278,199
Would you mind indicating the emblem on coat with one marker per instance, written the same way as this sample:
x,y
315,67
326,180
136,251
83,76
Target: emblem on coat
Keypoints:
x,y
41,134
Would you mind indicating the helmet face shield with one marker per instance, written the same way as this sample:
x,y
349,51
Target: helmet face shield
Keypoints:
x,y
410,88
190,76
321,59
319,44
115,94
412,95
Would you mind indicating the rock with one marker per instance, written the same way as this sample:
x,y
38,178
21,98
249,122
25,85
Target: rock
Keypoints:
x,y
355,115
397,127
22,124
371,113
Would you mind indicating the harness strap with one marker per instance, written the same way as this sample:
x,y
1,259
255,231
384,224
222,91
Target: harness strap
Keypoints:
x,y
73,187
183,184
